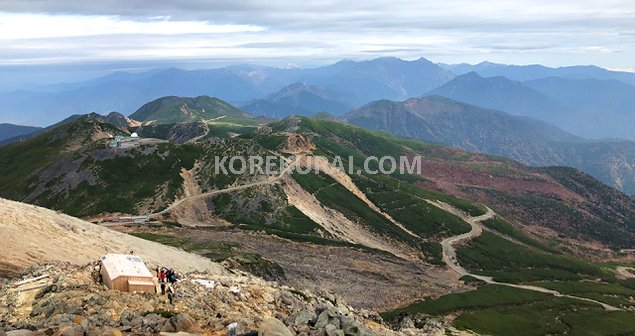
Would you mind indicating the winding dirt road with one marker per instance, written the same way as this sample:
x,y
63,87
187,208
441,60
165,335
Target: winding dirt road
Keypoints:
x,y
226,190
449,255
449,252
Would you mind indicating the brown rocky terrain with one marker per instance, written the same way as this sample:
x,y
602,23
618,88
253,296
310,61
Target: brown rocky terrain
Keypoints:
x,y
68,300
32,234
71,302
364,278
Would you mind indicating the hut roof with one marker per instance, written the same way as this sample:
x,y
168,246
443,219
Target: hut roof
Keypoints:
x,y
117,265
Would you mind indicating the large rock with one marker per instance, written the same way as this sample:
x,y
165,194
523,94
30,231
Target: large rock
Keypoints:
x,y
332,330
273,327
350,326
20,332
111,332
152,321
184,322
303,317
82,322
328,316
70,330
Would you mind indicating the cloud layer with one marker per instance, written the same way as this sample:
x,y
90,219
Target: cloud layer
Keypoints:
x,y
311,32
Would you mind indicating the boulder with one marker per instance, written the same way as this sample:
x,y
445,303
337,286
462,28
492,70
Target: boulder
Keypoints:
x,y
351,330
273,327
303,317
328,316
268,298
82,322
322,320
47,289
184,322
111,332
70,330
332,330
151,321
249,333
20,332
126,317
304,329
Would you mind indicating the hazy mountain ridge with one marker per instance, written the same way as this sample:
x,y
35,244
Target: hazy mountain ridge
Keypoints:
x,y
503,94
519,98
296,99
537,71
607,104
8,131
444,121
355,83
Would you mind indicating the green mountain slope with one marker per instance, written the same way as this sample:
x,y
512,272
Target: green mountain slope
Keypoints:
x,y
546,216
70,168
171,109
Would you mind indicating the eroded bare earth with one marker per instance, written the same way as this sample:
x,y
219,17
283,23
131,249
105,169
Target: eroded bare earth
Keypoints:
x,y
364,279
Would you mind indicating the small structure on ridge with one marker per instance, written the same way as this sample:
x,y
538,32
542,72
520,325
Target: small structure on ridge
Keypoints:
x,y
126,273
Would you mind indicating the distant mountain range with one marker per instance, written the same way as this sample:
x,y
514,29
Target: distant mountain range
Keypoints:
x,y
8,131
296,99
586,101
503,94
537,71
534,114
444,121
354,83
589,108
606,107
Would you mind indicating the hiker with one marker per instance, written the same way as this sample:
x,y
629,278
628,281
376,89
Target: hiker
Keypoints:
x,y
172,277
232,329
162,276
162,288
170,294
101,276
158,272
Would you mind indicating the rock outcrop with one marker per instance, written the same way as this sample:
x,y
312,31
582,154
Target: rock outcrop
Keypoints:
x,y
70,301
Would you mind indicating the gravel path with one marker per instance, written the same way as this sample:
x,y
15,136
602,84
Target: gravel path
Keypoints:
x,y
449,255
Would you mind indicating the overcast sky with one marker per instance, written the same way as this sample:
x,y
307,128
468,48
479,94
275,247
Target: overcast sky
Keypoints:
x,y
554,33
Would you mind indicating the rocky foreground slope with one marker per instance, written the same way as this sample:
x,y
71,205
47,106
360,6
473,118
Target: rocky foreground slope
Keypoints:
x,y
31,234
69,300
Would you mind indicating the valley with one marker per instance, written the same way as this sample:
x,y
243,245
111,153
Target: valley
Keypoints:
x,y
317,168
466,239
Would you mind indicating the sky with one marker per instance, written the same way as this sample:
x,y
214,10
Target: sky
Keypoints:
x,y
75,37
